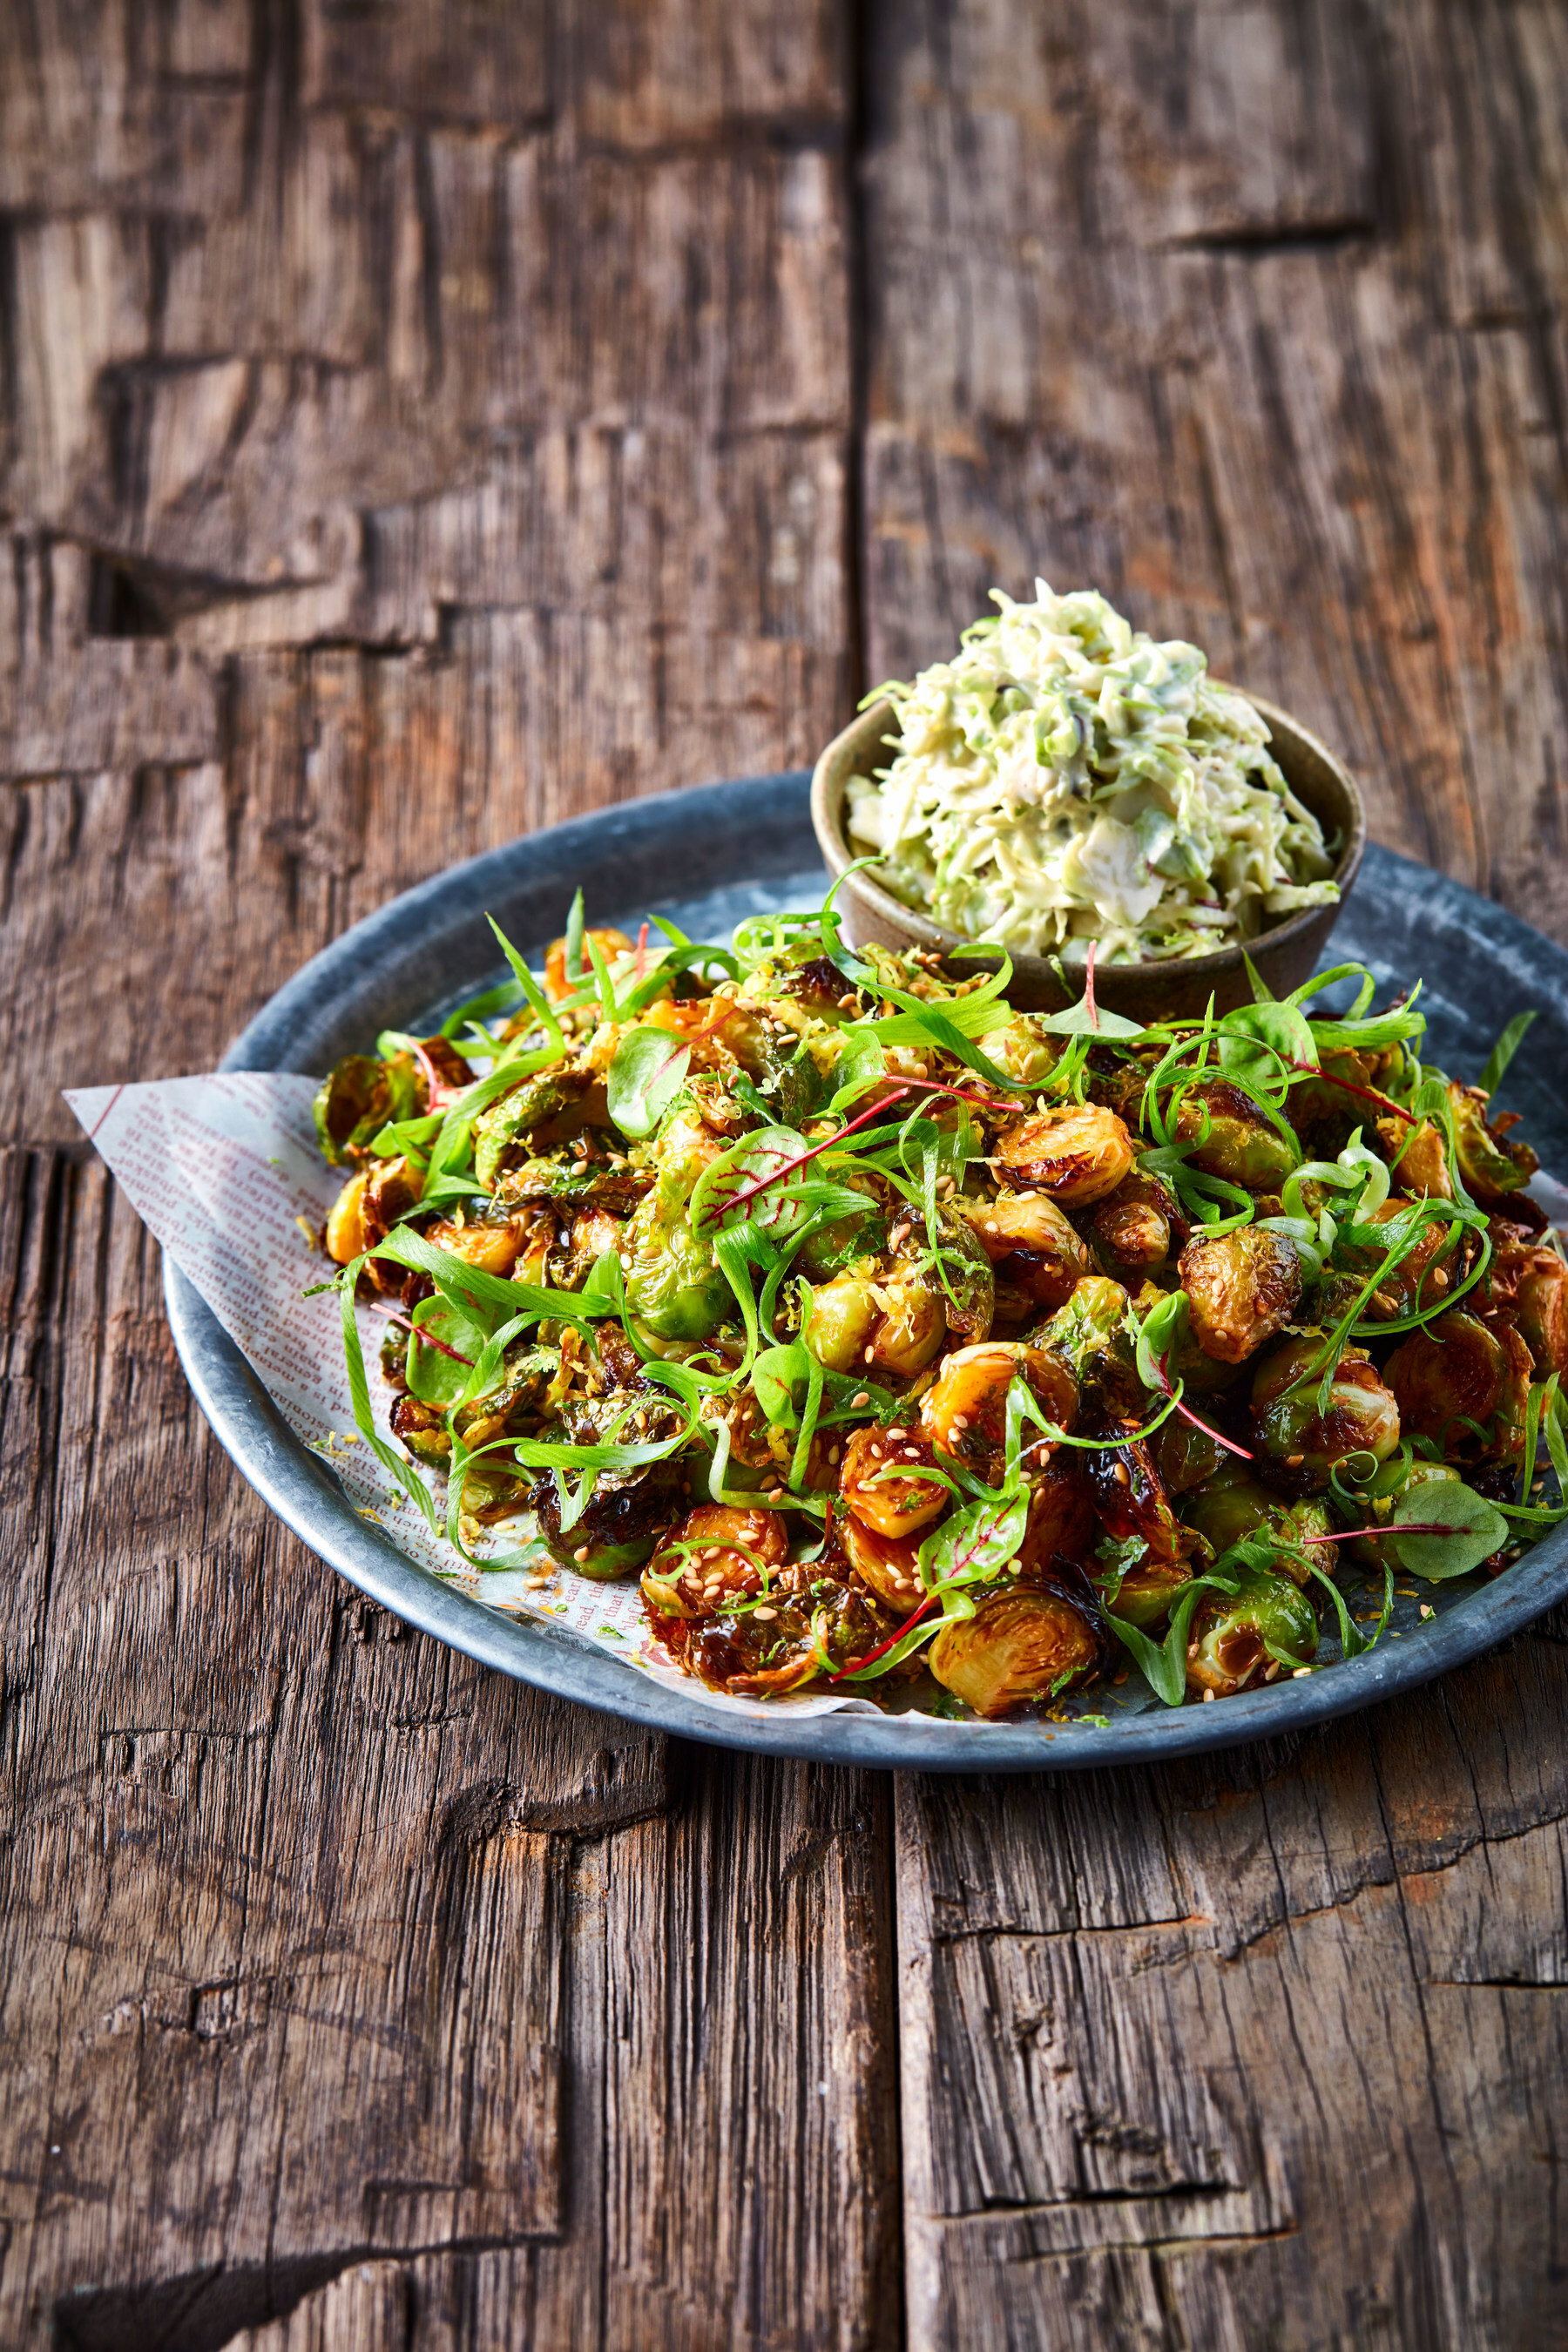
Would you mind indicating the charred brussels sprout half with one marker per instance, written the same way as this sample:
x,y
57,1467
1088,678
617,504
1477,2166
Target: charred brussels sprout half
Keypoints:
x,y
1464,1384
1237,1638
1491,1167
1238,1142
1241,1289
1233,1505
1077,1154
1018,1650
1032,1243
361,1098
1300,1444
1089,1337
622,1524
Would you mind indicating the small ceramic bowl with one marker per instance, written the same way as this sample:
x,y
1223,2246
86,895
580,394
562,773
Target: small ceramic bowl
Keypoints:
x,y
1173,988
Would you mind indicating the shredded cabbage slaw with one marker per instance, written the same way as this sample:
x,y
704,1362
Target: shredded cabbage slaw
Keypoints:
x,y
1065,780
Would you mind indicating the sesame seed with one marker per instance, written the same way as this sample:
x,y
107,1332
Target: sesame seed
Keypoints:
x,y
870,1355
581,1553
897,1432
1122,1476
960,1421
912,1454
1294,1461
834,1452
1298,1673
1207,1695
857,1401
764,1616
534,1583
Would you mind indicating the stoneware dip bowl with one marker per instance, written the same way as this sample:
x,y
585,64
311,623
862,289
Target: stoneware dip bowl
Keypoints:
x,y
1176,987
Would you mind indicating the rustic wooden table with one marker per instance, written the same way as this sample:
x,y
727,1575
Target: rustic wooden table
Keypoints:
x,y
421,422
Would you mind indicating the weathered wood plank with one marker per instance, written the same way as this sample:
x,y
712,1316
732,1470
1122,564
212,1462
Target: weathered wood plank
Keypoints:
x,y
1253,319
463,442
1273,2089
284,1892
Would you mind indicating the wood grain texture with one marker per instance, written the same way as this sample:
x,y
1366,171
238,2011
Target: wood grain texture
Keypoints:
x,y
419,422
1251,316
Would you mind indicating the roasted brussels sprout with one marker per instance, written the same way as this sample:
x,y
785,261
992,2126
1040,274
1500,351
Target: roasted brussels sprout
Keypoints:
x,y
1185,1455
734,1609
1061,1523
964,1410
573,1179
1417,1281
1419,1157
673,1286
1133,1225
1324,1113
357,1101
1144,1596
843,1315
628,1512
423,1430
1018,1648
1025,1050
1300,1447
1132,1504
889,1566
1090,1336
1077,1154
1031,1244
366,1210
1464,1383
1233,1504
1241,1288
717,1553
1491,1167
885,1481
911,1321
1240,1144
1527,1283
534,1116
1267,1626
968,1285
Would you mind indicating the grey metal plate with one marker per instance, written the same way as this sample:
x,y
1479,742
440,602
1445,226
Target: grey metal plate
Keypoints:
x,y
706,856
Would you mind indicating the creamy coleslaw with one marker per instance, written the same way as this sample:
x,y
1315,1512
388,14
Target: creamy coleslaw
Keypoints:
x,y
1067,779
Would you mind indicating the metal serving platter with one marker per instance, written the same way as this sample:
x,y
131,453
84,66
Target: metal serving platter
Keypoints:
x,y
705,858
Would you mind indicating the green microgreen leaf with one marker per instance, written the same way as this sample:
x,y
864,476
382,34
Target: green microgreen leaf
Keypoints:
x,y
1503,1052
647,1074
1164,1664
539,1004
1473,1529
